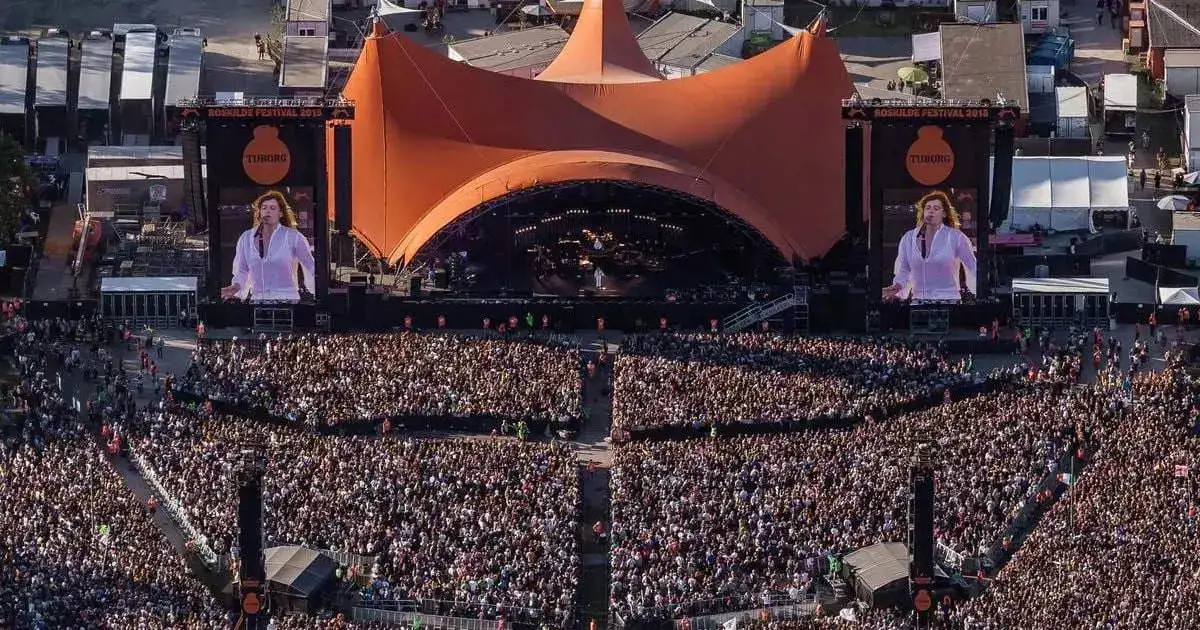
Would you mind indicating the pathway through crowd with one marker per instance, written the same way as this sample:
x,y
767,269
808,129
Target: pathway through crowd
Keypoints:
x,y
595,461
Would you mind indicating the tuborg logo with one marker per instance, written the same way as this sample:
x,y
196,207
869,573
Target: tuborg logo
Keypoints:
x,y
266,159
930,159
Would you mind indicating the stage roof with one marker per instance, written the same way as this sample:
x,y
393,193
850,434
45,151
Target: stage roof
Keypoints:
x,y
434,138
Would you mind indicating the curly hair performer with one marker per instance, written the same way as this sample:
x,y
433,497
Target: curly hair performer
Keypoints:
x,y
264,265
931,254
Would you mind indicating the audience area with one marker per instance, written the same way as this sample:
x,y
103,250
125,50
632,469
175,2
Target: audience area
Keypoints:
x,y
489,523
338,379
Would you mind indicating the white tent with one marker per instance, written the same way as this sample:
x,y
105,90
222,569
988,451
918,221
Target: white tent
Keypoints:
x,y
397,15
1178,296
1062,193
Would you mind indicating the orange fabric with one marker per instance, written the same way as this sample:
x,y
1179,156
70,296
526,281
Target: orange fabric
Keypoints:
x,y
433,138
602,49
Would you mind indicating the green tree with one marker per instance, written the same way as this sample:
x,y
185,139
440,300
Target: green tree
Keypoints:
x,y
15,176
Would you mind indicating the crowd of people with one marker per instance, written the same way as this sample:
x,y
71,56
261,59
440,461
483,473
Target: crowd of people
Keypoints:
x,y
684,379
1122,550
723,523
335,379
488,523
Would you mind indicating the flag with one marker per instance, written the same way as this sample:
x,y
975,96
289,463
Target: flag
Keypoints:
x,y
1181,470
1066,478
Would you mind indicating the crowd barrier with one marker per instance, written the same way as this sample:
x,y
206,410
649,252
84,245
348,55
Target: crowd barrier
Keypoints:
x,y
474,423
450,614
173,509
704,615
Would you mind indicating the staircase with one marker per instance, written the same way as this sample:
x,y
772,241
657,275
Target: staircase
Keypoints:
x,y
761,311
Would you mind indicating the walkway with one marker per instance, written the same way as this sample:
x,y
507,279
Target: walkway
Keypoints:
x,y
593,446
1097,46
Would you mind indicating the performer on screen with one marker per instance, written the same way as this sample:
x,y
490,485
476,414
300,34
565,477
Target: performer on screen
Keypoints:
x,y
265,261
931,254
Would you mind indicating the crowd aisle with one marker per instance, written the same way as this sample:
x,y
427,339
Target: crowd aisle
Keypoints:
x,y
489,523
336,379
699,379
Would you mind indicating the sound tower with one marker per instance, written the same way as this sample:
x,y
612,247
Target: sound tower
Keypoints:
x,y
920,533
193,172
1002,180
342,168
252,574
854,181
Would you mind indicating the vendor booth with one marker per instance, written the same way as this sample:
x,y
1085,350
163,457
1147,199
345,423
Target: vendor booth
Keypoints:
x,y
1066,194
1060,302
155,302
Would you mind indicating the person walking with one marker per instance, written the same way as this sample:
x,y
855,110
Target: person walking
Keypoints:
x,y
1142,179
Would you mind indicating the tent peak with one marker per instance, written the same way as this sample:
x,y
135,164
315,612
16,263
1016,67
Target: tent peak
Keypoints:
x,y
602,49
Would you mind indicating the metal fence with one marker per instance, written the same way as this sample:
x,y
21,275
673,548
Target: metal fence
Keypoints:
x,y
798,609
173,508
348,559
408,619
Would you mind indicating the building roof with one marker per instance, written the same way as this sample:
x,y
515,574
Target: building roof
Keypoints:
x,y
52,68
137,75
304,62
512,49
95,74
183,68
683,41
428,127
308,10
1173,23
107,155
984,60
716,61
602,49
1072,102
112,284
14,78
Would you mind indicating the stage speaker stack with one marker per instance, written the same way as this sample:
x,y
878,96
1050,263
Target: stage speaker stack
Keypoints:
x,y
414,287
252,572
441,278
343,192
920,530
1002,180
854,181
193,173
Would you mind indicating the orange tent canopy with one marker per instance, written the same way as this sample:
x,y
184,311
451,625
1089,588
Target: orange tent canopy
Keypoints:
x,y
434,138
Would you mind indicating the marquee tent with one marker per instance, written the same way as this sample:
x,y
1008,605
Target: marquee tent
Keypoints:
x,y
1062,193
1178,296
762,138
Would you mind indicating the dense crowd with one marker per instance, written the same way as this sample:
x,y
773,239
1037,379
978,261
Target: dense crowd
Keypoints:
x,y
490,523
77,549
730,521
339,378
686,379
1122,550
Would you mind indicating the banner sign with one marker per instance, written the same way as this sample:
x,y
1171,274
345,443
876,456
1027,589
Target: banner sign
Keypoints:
x,y
986,113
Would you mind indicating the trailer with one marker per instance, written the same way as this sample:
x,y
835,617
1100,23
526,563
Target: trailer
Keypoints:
x,y
186,58
137,88
95,90
14,85
50,99
1072,112
1120,104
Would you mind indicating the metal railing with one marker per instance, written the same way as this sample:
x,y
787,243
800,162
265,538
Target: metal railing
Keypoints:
x,y
686,614
410,619
453,609
805,607
173,508
763,310
348,559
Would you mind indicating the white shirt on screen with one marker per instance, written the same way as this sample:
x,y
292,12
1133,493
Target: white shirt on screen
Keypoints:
x,y
273,277
934,277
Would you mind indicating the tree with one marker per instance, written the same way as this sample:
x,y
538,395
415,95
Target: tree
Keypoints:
x,y
15,177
